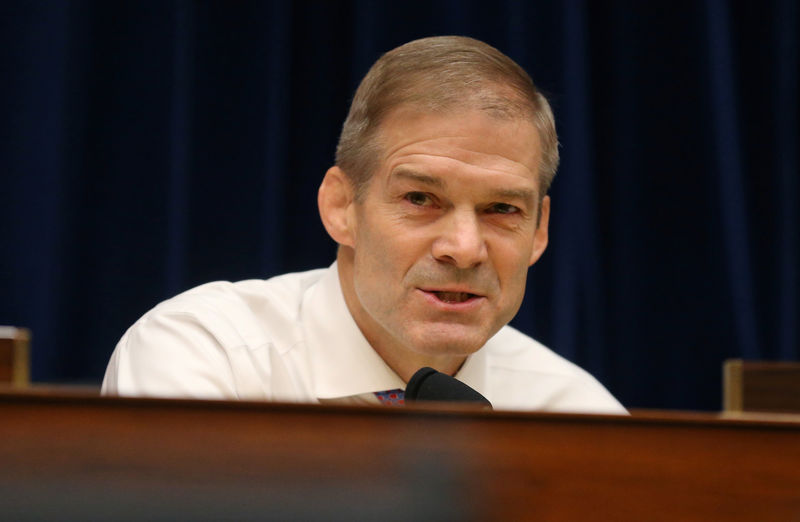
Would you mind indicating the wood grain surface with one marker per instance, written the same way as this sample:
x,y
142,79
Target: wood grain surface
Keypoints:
x,y
80,457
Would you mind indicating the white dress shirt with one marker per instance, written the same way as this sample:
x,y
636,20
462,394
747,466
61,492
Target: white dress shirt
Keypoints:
x,y
291,338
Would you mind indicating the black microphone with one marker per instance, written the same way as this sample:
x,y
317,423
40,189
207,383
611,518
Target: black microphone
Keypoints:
x,y
429,385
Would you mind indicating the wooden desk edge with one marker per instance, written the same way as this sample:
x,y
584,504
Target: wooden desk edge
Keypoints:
x,y
87,396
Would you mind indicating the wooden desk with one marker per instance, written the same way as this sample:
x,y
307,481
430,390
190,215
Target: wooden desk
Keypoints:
x,y
15,356
763,386
81,457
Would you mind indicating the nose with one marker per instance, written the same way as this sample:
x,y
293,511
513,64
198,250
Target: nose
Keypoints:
x,y
460,241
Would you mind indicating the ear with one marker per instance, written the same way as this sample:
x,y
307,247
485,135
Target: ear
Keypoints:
x,y
541,235
335,200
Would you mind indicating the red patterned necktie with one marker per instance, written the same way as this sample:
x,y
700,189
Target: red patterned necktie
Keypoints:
x,y
391,397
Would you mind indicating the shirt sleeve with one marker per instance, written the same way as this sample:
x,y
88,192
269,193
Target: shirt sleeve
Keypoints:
x,y
170,354
586,395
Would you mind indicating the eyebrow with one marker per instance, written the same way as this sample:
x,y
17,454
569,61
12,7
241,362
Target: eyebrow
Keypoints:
x,y
527,195
425,179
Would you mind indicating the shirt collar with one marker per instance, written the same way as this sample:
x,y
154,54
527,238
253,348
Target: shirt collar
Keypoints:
x,y
474,371
342,361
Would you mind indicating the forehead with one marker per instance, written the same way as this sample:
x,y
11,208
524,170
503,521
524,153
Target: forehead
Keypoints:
x,y
472,142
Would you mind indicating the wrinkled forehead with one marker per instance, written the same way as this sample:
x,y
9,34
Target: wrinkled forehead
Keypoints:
x,y
497,104
484,131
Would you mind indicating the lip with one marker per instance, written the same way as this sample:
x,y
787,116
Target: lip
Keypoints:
x,y
469,305
461,289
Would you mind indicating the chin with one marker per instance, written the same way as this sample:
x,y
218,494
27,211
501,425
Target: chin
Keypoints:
x,y
433,344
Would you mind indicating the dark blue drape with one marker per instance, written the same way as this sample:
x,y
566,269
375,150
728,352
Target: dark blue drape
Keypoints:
x,y
148,147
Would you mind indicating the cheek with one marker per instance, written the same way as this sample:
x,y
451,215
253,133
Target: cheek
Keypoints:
x,y
371,246
375,255
512,267
388,242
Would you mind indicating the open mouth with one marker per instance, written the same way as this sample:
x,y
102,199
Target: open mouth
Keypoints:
x,y
454,297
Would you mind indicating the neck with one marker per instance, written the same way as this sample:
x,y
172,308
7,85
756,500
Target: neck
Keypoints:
x,y
404,360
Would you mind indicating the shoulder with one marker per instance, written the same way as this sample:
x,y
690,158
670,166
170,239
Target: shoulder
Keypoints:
x,y
525,374
213,341
283,291
238,313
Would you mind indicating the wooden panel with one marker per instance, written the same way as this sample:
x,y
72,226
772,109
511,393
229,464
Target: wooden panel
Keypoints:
x,y
14,356
761,386
84,457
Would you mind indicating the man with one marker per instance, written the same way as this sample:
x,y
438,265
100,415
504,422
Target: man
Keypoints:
x,y
438,201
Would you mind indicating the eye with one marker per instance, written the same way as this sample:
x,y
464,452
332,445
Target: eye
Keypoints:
x,y
502,208
420,199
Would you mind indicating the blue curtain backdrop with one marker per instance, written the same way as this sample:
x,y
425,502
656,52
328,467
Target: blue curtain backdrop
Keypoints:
x,y
148,147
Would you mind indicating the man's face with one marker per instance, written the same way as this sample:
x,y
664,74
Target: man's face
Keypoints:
x,y
446,229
